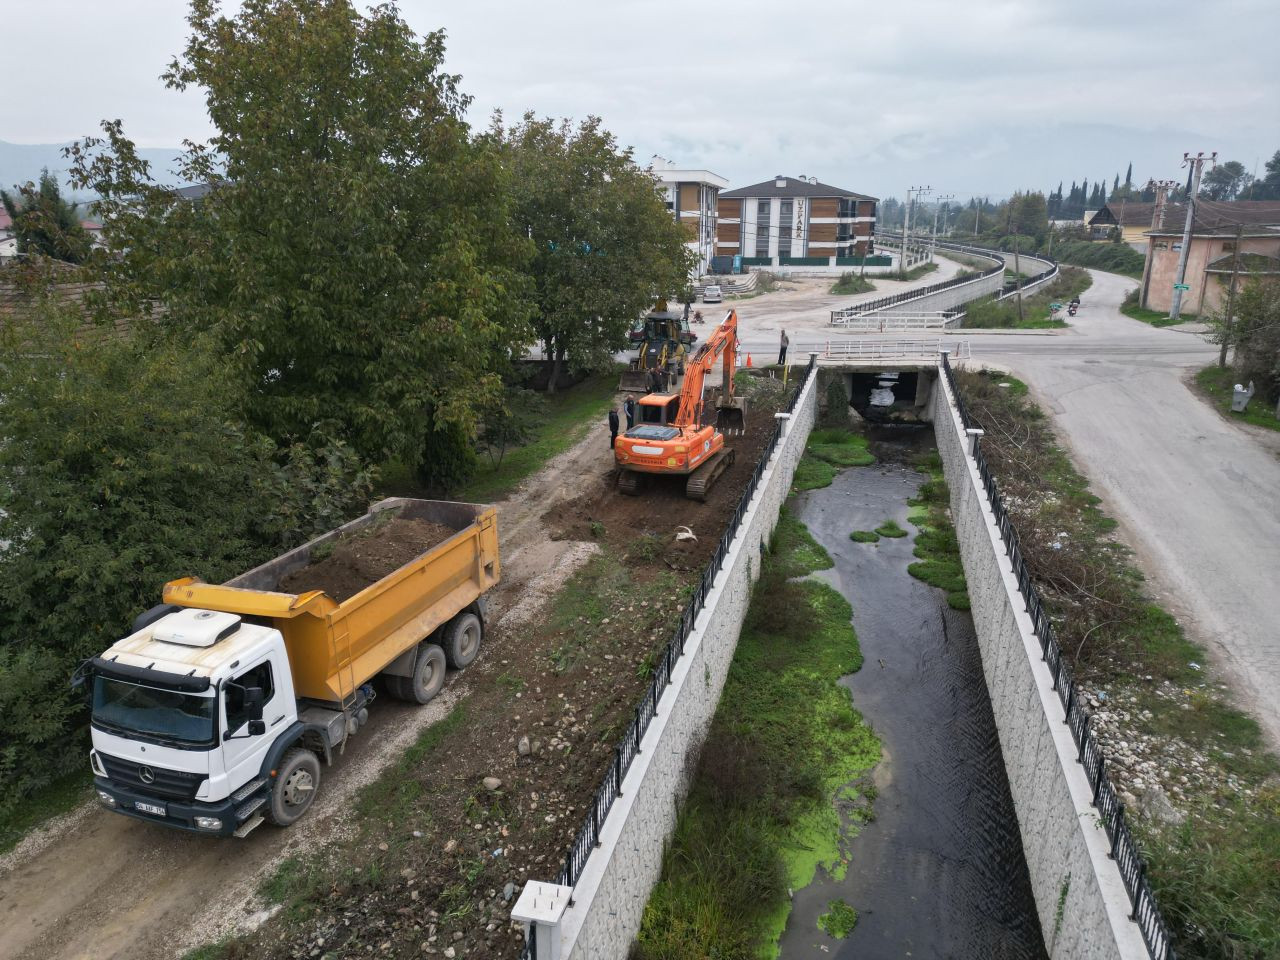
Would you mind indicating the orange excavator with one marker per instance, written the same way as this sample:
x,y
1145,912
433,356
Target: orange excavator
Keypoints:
x,y
670,439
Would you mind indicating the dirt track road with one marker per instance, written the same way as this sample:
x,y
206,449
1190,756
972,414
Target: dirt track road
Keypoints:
x,y
96,885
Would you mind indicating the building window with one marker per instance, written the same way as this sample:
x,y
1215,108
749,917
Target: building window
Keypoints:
x,y
762,228
785,213
848,209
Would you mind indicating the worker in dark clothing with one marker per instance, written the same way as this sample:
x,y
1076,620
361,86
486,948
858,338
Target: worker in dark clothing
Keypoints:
x,y
629,408
662,379
651,380
613,426
782,348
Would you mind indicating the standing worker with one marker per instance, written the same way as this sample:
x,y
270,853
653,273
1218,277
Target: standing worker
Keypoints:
x,y
651,381
782,349
629,408
613,426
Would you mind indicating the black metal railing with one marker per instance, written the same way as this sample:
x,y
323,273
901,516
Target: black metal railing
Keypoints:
x,y
588,836
1145,912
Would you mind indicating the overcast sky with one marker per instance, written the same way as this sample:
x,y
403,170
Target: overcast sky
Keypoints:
x,y
982,96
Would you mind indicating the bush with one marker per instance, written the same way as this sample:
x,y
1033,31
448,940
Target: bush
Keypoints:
x,y
125,467
852,283
1114,257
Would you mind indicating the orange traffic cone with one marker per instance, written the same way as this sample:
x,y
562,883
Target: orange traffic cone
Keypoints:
x,y
748,359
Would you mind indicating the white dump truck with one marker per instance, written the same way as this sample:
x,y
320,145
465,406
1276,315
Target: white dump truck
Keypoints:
x,y
218,711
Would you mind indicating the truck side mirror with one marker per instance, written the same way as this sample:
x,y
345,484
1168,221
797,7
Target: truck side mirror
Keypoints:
x,y
253,699
257,727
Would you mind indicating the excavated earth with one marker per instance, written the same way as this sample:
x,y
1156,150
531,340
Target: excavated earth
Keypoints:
x,y
424,862
365,557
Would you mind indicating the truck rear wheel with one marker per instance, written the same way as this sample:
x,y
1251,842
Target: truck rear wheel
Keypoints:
x,y
462,640
295,786
428,674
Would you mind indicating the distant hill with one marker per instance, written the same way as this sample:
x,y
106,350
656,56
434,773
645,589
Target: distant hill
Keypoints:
x,y
20,162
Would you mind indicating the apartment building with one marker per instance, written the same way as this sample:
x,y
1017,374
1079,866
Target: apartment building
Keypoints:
x,y
795,221
691,196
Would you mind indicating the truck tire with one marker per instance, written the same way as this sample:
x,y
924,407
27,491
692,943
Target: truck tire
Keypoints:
x,y
295,786
462,640
428,674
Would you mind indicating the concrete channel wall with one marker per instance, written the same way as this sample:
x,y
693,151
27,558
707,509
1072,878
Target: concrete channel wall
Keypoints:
x,y
1080,897
608,901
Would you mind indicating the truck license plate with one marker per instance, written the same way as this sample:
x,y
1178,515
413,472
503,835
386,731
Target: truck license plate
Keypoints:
x,y
155,808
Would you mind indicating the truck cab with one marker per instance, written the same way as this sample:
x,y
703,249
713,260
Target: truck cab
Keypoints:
x,y
185,712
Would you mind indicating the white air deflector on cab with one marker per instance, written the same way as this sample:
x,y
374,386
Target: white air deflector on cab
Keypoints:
x,y
196,628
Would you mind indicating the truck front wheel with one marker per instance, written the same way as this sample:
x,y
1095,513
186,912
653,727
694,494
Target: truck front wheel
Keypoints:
x,y
295,786
462,640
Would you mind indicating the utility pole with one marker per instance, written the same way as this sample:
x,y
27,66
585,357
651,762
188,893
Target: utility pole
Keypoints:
x,y
1197,166
938,202
906,221
1231,297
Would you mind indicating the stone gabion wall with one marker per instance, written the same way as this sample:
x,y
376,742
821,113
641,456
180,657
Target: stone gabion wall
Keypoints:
x,y
610,896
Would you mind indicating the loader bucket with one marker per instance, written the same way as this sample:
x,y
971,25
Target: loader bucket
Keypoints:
x,y
731,415
633,381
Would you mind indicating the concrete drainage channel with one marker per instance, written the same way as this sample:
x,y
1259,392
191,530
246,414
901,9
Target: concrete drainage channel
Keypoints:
x,y
939,871
1085,907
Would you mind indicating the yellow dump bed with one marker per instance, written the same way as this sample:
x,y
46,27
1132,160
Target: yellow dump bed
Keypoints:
x,y
335,647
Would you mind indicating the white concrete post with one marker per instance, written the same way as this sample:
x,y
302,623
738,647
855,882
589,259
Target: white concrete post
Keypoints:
x,y
974,433
786,422
541,906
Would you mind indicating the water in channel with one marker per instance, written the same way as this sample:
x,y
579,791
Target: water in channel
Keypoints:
x,y
939,871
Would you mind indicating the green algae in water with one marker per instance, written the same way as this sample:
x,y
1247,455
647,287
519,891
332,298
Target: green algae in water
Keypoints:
x,y
787,728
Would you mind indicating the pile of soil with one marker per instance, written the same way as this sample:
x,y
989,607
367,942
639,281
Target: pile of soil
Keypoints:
x,y
365,557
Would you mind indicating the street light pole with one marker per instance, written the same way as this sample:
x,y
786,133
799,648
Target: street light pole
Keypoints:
x,y
1197,165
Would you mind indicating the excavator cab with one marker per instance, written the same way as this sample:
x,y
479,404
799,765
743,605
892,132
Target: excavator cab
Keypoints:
x,y
657,409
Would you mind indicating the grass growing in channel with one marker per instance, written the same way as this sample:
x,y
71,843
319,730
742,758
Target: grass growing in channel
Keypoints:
x,y
864,536
839,920
890,529
937,550
760,816
827,451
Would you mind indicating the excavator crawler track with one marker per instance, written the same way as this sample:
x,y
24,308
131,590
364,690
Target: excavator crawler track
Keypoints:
x,y
702,479
629,482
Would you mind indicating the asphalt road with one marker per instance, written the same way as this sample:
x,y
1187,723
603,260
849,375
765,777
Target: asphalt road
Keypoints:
x,y
1197,496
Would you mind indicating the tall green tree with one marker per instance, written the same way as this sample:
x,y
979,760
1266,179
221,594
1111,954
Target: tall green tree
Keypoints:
x,y
605,246
1225,181
45,224
125,466
356,256
1267,187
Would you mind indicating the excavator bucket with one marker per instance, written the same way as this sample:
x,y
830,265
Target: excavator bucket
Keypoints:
x,y
731,415
633,380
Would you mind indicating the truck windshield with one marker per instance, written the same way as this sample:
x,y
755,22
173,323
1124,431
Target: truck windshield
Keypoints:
x,y
153,711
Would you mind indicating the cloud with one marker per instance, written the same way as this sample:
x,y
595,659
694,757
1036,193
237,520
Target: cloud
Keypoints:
x,y
972,97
